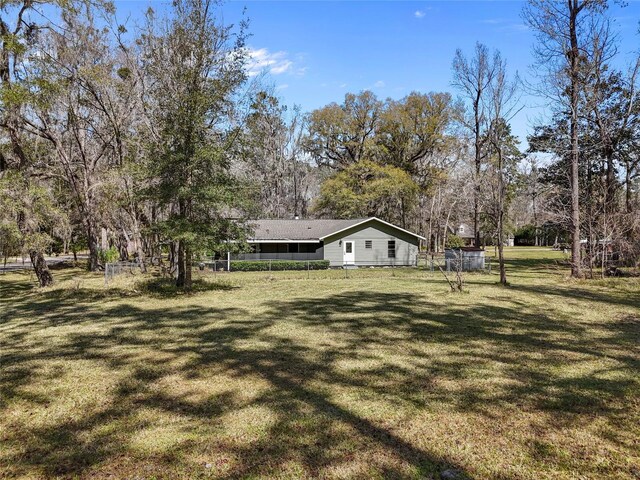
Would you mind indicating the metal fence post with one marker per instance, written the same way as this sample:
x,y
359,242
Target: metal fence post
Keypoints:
x,y
308,271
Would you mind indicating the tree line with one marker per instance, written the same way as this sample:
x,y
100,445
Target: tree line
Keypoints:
x,y
159,138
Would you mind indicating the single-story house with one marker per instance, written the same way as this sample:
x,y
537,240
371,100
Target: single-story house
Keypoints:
x,y
358,242
465,232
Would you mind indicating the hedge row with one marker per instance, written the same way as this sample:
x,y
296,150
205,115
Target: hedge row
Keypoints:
x,y
265,265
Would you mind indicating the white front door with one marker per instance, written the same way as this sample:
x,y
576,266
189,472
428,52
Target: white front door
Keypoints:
x,y
349,252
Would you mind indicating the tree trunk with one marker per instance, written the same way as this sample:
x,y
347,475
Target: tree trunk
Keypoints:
x,y
445,232
627,193
603,253
122,247
535,221
503,272
431,245
181,278
188,261
588,220
141,258
173,260
501,202
92,238
38,262
40,267
611,180
574,53
478,166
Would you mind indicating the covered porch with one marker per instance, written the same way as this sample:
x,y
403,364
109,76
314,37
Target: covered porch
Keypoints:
x,y
283,251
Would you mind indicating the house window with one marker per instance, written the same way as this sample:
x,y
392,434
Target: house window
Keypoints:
x,y
348,247
294,248
309,247
368,244
391,247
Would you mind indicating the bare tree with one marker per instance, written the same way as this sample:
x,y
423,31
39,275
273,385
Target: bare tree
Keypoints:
x,y
504,106
473,77
17,32
531,197
566,34
76,84
273,157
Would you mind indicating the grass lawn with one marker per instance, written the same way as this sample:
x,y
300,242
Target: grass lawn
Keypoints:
x,y
384,374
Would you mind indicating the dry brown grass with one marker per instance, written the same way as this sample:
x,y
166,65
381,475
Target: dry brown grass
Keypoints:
x,y
384,374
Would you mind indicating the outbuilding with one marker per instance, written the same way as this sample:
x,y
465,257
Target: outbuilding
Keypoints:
x,y
359,242
465,232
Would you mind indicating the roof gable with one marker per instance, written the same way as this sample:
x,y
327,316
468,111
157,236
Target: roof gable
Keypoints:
x,y
464,231
374,219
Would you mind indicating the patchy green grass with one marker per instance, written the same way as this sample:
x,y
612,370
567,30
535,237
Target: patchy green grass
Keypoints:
x,y
378,373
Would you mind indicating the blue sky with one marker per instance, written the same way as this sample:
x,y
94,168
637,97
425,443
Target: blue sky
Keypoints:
x,y
315,52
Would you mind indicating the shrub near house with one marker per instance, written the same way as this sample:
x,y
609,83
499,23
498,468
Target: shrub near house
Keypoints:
x,y
273,265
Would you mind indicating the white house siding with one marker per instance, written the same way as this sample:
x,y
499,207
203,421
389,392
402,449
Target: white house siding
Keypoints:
x,y
379,234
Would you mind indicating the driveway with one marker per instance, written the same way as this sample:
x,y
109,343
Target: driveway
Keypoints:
x,y
12,266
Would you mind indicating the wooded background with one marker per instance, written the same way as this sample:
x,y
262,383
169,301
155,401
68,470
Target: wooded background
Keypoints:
x,y
158,136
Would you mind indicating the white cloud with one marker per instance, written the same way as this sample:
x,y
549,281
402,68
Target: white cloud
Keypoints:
x,y
505,25
282,87
419,14
379,84
276,63
517,27
281,67
343,85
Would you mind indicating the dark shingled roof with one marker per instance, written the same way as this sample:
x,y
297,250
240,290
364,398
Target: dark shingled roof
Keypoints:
x,y
467,231
298,229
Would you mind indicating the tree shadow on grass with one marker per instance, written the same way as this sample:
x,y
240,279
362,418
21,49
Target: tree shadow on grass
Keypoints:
x,y
166,287
626,331
304,432
290,356
480,334
13,285
607,295
533,351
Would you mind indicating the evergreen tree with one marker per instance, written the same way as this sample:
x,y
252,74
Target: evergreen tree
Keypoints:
x,y
194,68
